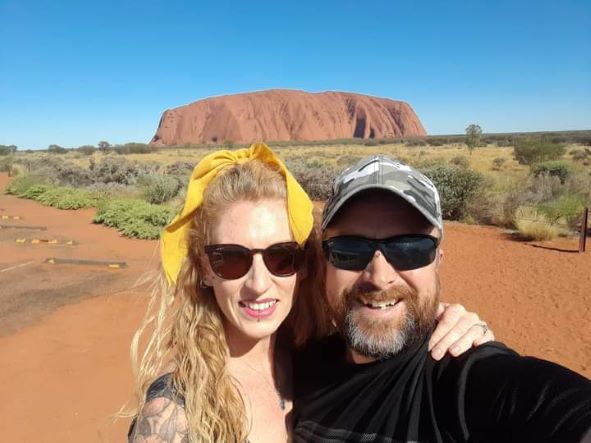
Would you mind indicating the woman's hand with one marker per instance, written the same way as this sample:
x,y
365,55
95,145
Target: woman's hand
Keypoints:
x,y
457,331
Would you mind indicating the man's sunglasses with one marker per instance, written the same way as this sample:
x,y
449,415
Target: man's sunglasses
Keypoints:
x,y
230,261
403,252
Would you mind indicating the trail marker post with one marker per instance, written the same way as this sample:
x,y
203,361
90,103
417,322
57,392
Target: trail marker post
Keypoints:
x,y
583,237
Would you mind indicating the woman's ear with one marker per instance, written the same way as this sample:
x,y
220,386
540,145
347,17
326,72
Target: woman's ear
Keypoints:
x,y
208,275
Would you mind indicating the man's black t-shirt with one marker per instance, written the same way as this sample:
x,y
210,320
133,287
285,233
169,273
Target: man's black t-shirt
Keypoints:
x,y
489,394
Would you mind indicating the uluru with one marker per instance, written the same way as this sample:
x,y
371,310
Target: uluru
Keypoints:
x,y
281,115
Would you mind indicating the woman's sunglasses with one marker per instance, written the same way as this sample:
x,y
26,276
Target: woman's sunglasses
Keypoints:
x,y
233,261
403,252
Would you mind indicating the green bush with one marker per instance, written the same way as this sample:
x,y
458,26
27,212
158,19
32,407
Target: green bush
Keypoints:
x,y
134,218
456,187
68,198
34,191
158,188
554,168
20,185
567,207
530,151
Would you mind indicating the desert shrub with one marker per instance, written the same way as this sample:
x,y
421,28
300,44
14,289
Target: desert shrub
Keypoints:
x,y
56,149
134,218
425,163
554,168
134,148
498,163
536,230
412,142
68,198
35,191
579,183
86,149
118,170
566,207
6,164
158,188
344,161
73,175
370,142
529,151
460,161
179,168
20,185
109,190
8,149
580,154
456,187
317,182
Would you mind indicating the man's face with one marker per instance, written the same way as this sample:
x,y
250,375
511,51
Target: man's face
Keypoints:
x,y
381,310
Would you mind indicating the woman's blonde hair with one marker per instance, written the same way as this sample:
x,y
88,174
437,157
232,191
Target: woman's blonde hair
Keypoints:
x,y
183,324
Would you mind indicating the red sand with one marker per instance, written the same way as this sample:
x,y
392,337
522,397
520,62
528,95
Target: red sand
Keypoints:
x,y
64,348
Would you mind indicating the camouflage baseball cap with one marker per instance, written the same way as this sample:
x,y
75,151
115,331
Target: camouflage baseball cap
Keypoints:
x,y
380,172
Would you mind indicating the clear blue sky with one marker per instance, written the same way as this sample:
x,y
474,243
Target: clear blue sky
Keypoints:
x,y
76,72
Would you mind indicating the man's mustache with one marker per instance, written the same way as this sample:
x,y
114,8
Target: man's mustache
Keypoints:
x,y
368,293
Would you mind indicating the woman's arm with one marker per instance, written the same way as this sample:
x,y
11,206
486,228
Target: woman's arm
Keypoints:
x,y
457,331
161,420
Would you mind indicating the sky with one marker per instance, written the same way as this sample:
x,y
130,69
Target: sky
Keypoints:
x,y
77,72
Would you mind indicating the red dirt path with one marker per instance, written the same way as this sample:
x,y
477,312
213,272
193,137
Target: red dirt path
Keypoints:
x,y
65,329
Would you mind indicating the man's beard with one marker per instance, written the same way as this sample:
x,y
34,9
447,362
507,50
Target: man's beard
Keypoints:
x,y
384,338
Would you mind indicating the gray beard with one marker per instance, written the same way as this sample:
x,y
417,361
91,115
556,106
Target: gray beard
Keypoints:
x,y
382,346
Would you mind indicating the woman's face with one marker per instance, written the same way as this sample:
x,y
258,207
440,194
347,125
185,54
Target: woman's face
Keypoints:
x,y
255,304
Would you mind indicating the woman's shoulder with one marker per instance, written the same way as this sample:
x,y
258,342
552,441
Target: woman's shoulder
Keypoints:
x,y
163,415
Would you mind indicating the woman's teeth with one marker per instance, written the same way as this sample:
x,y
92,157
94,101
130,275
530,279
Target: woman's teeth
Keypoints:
x,y
258,306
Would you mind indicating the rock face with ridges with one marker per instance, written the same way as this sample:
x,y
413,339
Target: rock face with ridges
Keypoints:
x,y
278,115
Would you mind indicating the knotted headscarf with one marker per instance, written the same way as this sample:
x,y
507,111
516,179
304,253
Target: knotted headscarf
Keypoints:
x,y
173,241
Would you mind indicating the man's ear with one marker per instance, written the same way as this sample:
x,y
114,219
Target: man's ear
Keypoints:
x,y
440,255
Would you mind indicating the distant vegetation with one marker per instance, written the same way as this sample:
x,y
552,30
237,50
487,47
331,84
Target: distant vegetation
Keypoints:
x,y
535,183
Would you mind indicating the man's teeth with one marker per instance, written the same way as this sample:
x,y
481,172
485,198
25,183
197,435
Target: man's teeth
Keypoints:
x,y
381,305
258,306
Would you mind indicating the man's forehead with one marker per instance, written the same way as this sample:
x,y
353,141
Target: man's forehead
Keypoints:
x,y
379,208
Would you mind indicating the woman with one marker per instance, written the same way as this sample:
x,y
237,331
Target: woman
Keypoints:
x,y
242,263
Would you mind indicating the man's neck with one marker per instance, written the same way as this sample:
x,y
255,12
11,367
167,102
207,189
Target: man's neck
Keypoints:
x,y
358,359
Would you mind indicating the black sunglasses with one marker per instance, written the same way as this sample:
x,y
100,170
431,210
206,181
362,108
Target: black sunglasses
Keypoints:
x,y
230,261
403,252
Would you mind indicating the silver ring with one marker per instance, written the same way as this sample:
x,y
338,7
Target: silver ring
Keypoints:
x,y
483,326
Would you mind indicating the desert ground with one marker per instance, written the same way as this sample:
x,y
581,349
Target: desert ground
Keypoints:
x,y
65,328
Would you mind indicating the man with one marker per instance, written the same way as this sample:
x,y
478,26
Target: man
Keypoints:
x,y
375,381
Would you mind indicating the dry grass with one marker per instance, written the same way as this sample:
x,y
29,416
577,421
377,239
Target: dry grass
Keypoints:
x,y
533,225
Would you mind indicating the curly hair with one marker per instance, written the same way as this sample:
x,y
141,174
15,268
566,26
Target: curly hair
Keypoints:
x,y
183,324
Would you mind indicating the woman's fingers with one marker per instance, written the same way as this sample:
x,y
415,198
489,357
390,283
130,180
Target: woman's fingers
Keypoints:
x,y
458,331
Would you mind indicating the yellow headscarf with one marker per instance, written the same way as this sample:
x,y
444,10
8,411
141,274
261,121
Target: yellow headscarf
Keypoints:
x,y
173,241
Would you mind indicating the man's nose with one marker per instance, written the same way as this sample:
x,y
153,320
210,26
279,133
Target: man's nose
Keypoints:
x,y
258,278
379,272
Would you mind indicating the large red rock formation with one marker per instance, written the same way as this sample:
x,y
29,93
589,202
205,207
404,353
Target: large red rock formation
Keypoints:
x,y
278,115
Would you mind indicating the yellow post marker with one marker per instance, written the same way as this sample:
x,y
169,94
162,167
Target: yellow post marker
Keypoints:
x,y
35,241
21,240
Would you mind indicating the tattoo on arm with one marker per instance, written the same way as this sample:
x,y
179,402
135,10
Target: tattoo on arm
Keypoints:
x,y
161,420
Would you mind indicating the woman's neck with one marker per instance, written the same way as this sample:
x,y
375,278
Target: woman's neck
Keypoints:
x,y
257,353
